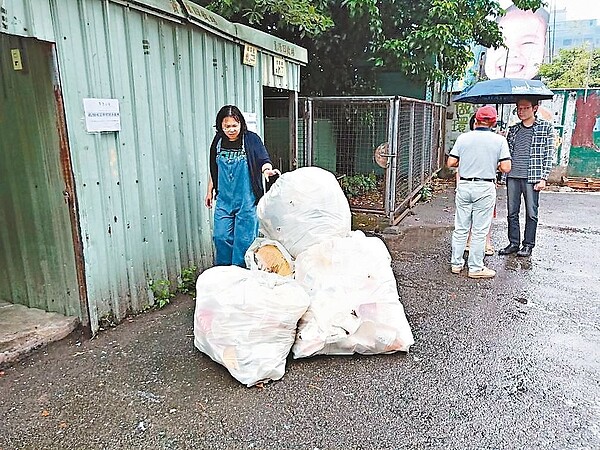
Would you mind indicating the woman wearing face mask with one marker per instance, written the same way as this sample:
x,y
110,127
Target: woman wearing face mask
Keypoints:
x,y
238,161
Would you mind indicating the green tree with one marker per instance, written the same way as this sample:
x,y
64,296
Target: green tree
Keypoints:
x,y
273,16
348,40
572,69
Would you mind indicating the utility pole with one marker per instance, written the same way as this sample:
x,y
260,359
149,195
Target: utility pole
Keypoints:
x,y
553,29
589,71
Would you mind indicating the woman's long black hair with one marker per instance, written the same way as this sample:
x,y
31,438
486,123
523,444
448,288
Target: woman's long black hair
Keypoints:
x,y
230,111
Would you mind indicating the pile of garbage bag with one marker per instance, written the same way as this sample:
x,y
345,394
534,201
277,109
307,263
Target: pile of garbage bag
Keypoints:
x,y
309,289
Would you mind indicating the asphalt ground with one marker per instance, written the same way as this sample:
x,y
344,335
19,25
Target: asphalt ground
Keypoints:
x,y
507,363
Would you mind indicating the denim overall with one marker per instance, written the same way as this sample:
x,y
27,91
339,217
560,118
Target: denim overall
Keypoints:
x,y
236,222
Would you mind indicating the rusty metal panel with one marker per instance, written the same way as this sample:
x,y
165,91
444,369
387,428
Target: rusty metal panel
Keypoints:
x,y
568,125
37,260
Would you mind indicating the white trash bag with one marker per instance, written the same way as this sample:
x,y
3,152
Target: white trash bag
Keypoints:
x,y
246,320
354,300
302,208
270,256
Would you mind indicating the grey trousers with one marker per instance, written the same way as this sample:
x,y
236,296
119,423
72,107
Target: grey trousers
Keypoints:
x,y
475,202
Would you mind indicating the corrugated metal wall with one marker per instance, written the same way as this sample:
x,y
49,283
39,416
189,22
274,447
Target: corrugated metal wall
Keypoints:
x,y
37,260
140,191
28,18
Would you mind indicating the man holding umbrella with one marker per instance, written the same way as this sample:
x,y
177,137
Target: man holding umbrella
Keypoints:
x,y
478,154
531,144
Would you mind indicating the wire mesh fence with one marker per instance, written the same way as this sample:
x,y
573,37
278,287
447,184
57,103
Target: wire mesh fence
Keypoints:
x,y
383,150
349,137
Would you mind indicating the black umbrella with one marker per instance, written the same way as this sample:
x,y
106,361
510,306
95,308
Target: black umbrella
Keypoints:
x,y
503,90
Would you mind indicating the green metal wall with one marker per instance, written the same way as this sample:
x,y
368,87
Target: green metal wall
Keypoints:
x,y
576,115
277,137
140,191
37,262
324,143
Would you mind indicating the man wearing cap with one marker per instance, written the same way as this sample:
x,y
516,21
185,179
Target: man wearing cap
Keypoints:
x,y
531,144
478,154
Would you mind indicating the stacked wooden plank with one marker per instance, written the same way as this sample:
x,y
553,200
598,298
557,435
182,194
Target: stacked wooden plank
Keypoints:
x,y
586,183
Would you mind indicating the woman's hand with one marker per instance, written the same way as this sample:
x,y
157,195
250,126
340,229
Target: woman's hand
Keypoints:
x,y
210,194
268,171
208,200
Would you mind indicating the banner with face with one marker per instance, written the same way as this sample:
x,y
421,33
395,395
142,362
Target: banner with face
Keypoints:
x,y
525,42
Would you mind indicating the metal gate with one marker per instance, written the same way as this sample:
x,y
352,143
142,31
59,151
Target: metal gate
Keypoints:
x,y
383,150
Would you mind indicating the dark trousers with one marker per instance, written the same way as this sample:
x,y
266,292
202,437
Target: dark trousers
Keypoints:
x,y
515,189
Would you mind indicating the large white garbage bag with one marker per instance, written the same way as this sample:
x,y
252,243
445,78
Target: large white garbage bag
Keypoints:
x,y
304,207
354,300
246,320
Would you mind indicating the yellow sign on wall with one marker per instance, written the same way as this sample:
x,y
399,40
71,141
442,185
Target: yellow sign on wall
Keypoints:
x,y
16,59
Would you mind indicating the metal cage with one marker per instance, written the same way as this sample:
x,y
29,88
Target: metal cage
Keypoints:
x,y
383,150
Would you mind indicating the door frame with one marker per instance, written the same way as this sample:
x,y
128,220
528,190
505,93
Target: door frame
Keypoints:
x,y
70,192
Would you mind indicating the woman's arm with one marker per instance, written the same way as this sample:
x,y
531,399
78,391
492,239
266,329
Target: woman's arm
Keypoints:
x,y
208,200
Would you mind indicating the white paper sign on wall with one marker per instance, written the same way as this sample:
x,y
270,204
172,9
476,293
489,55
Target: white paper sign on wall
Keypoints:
x,y
101,114
251,121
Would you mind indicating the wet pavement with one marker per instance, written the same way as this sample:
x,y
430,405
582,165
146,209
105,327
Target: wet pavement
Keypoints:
x,y
508,363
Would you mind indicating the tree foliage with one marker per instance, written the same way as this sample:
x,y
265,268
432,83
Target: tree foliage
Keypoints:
x,y
349,40
572,69
303,17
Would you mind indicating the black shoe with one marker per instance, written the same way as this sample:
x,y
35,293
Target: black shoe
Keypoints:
x,y
510,248
525,251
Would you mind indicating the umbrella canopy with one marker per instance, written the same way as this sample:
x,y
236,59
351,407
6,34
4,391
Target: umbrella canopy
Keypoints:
x,y
504,90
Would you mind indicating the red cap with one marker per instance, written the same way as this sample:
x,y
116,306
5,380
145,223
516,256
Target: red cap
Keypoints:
x,y
486,113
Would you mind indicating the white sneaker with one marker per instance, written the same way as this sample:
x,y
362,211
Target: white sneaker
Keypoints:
x,y
456,269
483,273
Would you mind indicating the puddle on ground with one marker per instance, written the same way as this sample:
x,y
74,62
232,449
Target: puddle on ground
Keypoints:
x,y
410,239
515,263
